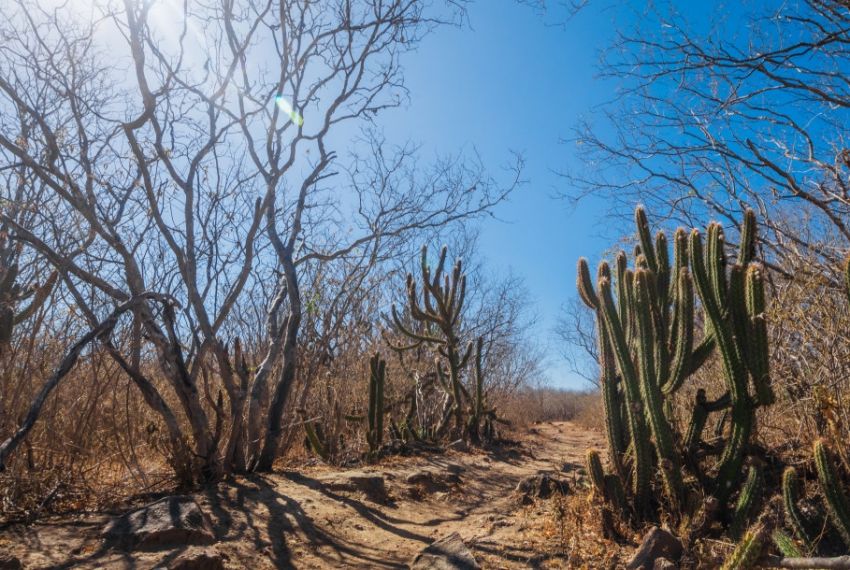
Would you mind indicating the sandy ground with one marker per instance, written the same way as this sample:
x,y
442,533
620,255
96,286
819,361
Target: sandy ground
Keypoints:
x,y
301,520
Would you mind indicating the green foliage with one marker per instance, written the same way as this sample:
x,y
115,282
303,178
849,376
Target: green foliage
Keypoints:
x,y
649,347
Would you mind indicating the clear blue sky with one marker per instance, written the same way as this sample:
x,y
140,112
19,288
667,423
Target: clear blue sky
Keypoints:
x,y
508,81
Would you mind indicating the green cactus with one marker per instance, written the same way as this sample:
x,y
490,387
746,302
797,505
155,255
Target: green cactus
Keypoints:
x,y
375,413
793,516
646,322
785,544
595,471
834,497
438,311
750,494
748,550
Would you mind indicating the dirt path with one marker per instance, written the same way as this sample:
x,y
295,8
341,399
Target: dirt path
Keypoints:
x,y
311,520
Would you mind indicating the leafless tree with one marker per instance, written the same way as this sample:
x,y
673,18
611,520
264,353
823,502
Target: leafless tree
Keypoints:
x,y
746,110
203,152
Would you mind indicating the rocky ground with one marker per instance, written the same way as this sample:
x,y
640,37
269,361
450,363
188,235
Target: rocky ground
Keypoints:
x,y
378,516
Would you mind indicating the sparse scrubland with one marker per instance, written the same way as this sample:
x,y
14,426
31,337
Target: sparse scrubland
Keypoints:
x,y
221,288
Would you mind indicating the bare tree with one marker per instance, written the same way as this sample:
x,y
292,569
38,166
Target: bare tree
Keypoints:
x,y
715,117
199,151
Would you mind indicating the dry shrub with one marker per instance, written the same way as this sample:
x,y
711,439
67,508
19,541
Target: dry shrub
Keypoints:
x,y
544,404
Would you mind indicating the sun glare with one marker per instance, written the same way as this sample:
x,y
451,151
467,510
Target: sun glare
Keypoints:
x,y
286,107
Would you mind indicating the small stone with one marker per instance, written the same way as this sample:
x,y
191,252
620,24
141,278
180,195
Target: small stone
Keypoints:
x,y
372,486
448,553
664,564
657,543
171,521
202,560
540,486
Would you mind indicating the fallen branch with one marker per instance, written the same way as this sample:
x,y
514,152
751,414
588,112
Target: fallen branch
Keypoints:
x,y
835,563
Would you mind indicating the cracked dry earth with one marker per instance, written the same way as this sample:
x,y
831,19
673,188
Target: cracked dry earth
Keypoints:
x,y
307,520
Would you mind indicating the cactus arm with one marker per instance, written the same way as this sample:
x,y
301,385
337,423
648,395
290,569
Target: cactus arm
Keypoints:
x,y
595,471
645,237
834,498
785,545
747,247
684,333
759,362
736,375
749,496
634,406
665,449
748,550
585,285
610,398
793,515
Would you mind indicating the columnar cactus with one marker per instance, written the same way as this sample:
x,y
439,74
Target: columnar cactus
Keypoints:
x,y
750,494
439,311
835,500
375,412
793,516
648,349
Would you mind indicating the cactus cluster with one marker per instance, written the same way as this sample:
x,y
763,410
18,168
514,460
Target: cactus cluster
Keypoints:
x,y
435,321
648,348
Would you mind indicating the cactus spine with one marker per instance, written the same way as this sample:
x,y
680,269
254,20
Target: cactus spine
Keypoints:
x,y
785,545
748,550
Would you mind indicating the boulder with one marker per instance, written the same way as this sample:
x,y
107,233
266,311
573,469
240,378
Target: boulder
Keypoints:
x,y
9,562
171,521
198,560
540,486
448,553
657,543
372,486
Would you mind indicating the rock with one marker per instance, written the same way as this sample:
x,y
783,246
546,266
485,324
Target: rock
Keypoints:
x,y
448,553
459,445
199,560
171,521
540,486
9,562
664,564
372,486
431,481
656,544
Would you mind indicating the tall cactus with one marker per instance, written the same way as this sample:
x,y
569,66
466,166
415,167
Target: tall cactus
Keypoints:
x,y
375,412
439,311
835,499
648,348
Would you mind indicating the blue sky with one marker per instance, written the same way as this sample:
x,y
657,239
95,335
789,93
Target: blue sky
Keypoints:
x,y
509,82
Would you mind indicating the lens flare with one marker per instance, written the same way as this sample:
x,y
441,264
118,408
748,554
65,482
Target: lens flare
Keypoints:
x,y
285,106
